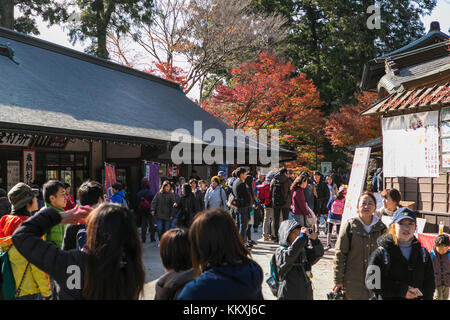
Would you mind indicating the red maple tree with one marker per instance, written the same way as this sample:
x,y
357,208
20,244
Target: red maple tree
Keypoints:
x,y
170,72
346,127
267,94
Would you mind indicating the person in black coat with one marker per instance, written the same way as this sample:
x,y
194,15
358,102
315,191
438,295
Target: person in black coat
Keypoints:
x,y
188,207
90,194
323,196
175,253
401,268
110,267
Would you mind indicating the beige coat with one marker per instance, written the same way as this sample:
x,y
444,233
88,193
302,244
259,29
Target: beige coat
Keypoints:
x,y
350,265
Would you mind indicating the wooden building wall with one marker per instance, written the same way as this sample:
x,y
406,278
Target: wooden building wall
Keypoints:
x,y
431,195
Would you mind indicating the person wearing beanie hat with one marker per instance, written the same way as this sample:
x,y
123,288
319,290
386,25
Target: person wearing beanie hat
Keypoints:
x,y
401,263
215,196
30,281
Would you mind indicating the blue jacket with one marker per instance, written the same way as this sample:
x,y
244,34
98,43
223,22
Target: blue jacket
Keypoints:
x,y
242,282
118,197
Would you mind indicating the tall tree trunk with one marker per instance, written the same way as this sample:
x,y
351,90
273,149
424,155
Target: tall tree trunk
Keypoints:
x,y
7,13
102,51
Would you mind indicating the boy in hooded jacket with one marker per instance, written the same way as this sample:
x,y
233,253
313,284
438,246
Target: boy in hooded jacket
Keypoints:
x,y
294,260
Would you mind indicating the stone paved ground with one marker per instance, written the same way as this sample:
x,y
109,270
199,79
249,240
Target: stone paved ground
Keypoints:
x,y
261,253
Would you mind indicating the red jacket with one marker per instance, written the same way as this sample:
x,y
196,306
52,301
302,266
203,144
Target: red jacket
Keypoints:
x,y
264,194
70,203
298,205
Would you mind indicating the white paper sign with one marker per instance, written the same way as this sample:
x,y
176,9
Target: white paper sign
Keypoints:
x,y
326,167
356,183
13,176
29,166
411,145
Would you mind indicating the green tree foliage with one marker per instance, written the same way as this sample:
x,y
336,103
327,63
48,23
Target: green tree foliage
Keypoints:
x,y
94,19
29,10
330,40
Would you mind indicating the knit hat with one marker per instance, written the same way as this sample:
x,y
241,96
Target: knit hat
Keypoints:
x,y
216,179
221,173
20,195
270,176
342,189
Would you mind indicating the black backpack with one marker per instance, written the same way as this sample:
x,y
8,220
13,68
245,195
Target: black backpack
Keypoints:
x,y
278,198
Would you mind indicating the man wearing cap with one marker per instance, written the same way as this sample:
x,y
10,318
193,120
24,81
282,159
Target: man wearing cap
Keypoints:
x,y
403,265
30,281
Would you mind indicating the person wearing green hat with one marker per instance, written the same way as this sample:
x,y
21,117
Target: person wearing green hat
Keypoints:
x,y
30,281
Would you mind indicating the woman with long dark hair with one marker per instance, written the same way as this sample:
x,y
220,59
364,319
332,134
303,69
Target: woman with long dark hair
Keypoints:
x,y
109,267
187,206
298,207
391,202
162,207
221,260
251,220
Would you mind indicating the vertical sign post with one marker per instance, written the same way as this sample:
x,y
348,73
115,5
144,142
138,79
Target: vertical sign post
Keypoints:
x,y
29,166
110,179
356,183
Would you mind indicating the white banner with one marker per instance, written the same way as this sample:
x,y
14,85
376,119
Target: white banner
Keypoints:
x,y
13,176
29,166
356,183
411,145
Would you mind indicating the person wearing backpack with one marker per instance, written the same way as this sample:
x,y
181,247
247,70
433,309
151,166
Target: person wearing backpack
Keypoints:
x,y
294,259
403,267
441,265
336,210
90,193
144,199
215,196
266,201
280,192
243,202
119,195
354,245
30,282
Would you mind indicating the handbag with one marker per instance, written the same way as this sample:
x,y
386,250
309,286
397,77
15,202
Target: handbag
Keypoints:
x,y
311,219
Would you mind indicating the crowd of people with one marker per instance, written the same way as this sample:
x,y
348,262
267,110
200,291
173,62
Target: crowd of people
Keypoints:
x,y
58,248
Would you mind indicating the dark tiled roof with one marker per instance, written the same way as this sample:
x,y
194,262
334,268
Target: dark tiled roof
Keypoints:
x,y
412,99
374,69
392,82
55,87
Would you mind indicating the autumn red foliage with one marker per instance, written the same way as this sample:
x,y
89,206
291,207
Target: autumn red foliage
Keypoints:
x,y
267,94
170,72
347,127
